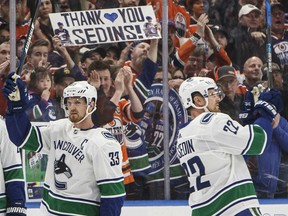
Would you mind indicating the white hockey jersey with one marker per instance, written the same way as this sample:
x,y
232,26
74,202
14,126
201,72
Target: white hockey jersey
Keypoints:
x,y
210,150
83,167
10,169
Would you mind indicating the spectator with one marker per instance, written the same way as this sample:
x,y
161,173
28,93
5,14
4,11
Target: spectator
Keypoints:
x,y
20,42
232,102
113,54
171,47
178,77
40,107
64,6
192,54
21,24
75,177
4,31
276,75
279,34
252,72
128,3
37,56
62,78
248,37
195,8
43,27
92,55
12,180
4,70
158,78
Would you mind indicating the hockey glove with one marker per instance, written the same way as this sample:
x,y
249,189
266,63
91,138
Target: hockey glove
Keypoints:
x,y
273,97
16,209
16,93
269,104
246,115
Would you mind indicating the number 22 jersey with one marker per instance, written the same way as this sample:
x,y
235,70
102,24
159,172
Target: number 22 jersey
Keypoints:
x,y
210,149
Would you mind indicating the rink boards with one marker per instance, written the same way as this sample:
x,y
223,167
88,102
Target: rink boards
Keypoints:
x,y
271,207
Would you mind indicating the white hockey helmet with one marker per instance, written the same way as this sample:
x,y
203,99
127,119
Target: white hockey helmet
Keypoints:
x,y
193,85
81,89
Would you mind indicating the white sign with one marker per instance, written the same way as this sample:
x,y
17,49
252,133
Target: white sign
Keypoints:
x,y
78,28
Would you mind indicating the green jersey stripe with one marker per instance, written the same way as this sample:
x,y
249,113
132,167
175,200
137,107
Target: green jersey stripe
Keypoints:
x,y
61,205
112,189
13,174
259,138
3,203
220,202
139,163
32,143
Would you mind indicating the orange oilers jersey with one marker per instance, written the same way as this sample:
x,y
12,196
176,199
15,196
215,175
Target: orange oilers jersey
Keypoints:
x,y
122,114
177,13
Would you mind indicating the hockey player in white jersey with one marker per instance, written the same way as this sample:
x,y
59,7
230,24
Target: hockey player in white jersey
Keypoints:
x,y
211,146
84,175
12,193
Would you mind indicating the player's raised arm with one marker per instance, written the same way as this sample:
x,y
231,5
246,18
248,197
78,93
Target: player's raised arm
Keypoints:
x,y
18,124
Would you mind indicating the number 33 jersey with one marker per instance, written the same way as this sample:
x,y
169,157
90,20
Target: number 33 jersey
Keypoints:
x,y
210,149
84,167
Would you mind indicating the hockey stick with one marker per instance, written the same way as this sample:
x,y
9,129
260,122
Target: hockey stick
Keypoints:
x,y
28,37
269,44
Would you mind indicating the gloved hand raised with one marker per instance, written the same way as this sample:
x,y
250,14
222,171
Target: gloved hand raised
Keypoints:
x,y
16,93
269,104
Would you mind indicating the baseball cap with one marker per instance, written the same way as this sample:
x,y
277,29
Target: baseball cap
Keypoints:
x,y
246,9
220,29
275,68
89,53
225,71
60,74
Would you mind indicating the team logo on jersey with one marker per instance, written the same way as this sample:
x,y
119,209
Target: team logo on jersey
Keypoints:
x,y
180,25
107,135
116,129
207,118
177,116
133,135
60,167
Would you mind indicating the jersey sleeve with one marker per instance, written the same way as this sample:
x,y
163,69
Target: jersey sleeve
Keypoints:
x,y
233,138
107,163
181,56
126,109
12,170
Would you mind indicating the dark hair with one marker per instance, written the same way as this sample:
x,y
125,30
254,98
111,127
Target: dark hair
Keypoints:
x,y
37,43
115,50
36,75
98,65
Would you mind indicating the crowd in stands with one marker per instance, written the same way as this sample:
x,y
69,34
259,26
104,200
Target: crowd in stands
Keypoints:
x,y
220,39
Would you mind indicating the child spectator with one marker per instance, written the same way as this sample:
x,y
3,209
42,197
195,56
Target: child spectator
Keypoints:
x,y
40,106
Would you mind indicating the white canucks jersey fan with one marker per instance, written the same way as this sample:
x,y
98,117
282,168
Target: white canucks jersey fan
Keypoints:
x,y
84,171
211,146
